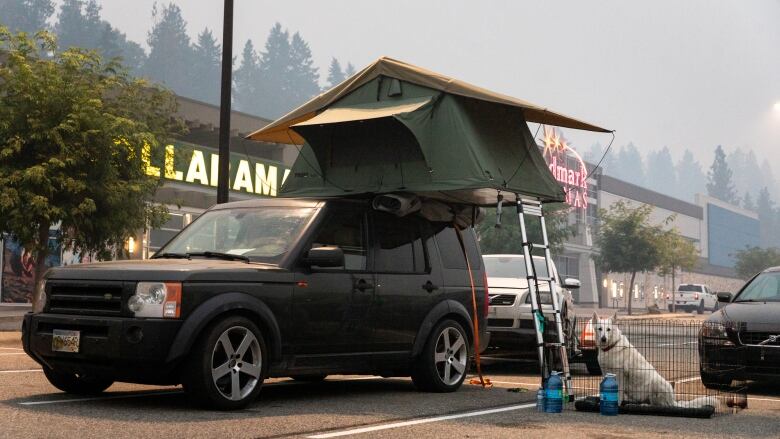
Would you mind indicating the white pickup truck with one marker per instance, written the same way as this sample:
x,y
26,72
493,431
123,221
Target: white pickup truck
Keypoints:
x,y
690,297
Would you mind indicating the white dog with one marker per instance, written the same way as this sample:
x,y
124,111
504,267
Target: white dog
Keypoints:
x,y
638,381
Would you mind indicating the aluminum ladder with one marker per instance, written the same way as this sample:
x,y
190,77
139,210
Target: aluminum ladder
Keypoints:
x,y
528,210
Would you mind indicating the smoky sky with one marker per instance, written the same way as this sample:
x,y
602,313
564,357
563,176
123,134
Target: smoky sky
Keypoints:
x,y
661,73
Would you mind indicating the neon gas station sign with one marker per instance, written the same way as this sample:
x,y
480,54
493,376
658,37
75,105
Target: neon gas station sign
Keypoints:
x,y
567,167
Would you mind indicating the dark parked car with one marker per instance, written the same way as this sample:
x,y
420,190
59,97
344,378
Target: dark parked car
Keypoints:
x,y
742,340
267,288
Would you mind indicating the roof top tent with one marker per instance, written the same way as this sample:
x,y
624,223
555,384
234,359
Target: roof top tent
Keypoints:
x,y
394,127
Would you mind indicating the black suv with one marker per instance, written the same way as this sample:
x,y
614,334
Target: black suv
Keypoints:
x,y
267,288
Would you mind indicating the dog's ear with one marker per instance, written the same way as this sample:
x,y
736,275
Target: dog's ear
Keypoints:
x,y
595,317
614,317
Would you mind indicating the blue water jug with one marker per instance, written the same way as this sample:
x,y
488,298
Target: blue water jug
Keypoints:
x,y
608,404
553,394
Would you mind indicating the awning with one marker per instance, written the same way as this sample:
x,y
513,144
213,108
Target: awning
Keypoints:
x,y
374,110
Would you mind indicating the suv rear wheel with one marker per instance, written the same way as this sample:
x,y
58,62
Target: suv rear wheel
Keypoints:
x,y
227,365
443,363
77,384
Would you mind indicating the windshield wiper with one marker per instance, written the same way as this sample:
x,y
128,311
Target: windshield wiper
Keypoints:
x,y
221,255
172,256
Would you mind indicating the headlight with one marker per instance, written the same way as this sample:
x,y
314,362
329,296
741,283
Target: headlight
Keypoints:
x,y
714,333
156,299
40,297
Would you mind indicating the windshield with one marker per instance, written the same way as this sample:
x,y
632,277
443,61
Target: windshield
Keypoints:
x,y
512,266
263,234
694,288
764,288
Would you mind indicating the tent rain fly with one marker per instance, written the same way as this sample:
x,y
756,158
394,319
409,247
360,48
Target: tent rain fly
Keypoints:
x,y
393,127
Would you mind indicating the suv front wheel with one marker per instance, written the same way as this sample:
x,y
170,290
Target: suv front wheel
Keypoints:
x,y
227,365
443,363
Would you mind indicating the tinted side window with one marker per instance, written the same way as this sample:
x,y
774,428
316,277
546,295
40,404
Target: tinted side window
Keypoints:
x,y
399,244
451,253
345,229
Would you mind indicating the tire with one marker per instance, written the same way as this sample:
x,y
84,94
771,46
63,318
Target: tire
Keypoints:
x,y
444,361
716,306
592,363
715,381
671,308
227,365
76,384
309,378
700,308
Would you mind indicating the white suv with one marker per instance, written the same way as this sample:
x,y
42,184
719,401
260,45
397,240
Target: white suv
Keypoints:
x,y
689,297
510,322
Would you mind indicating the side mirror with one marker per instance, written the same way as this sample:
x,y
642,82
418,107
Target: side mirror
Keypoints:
x,y
571,284
324,257
724,297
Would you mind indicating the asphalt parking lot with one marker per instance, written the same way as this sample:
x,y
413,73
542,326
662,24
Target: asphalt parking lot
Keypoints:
x,y
342,406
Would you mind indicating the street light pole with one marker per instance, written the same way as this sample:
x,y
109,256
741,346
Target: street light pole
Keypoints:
x,y
223,177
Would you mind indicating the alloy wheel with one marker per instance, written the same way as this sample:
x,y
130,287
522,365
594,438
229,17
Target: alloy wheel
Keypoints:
x,y
236,363
451,356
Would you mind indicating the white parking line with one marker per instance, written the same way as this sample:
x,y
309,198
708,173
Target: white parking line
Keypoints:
x,y
678,344
11,349
96,398
2,354
21,370
420,421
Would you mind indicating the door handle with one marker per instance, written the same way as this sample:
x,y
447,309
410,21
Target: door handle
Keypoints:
x,y
362,285
429,287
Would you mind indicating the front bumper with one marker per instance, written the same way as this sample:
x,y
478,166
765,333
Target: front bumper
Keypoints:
x,y
118,348
740,362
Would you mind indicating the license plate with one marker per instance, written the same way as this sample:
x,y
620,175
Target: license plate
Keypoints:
x,y
65,341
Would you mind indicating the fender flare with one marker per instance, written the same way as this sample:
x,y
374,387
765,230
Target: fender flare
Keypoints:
x,y
206,312
434,315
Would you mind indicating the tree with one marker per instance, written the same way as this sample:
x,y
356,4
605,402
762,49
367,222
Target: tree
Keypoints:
x,y
206,68
765,208
630,166
246,96
661,175
350,70
719,183
754,260
25,15
627,242
747,202
74,135
676,253
303,78
335,74
170,56
274,68
690,177
506,239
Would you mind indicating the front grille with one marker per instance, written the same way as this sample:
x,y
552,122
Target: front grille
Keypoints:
x,y
94,298
756,337
502,300
500,323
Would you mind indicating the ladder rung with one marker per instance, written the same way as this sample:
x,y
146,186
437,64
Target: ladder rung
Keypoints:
x,y
532,210
540,278
536,246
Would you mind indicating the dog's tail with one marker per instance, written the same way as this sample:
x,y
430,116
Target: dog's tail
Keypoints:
x,y
698,402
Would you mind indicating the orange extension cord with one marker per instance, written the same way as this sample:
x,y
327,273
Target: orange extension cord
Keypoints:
x,y
484,382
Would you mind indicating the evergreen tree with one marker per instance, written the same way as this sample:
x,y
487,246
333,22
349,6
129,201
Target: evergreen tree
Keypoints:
x,y
350,70
246,79
79,24
25,15
719,179
114,44
690,176
768,217
303,79
206,68
335,74
747,202
768,178
170,57
661,175
631,167
274,68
